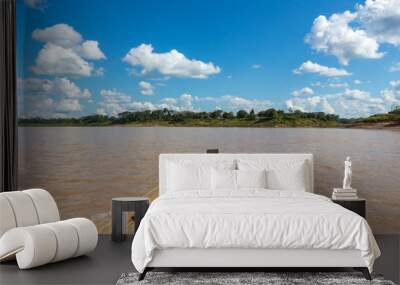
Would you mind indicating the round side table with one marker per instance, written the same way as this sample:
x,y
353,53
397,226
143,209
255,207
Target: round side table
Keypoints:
x,y
138,205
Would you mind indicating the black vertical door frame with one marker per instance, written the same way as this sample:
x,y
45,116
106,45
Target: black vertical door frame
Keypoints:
x,y
8,100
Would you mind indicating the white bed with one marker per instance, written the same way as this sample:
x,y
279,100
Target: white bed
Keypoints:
x,y
196,224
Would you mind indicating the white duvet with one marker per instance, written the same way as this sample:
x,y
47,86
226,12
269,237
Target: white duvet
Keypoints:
x,y
250,219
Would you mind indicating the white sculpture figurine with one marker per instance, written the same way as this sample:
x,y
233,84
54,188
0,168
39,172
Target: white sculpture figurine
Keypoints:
x,y
347,174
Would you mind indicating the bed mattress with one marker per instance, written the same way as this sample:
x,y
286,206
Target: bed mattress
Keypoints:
x,y
250,219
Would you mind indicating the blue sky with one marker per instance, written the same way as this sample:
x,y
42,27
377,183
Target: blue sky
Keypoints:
x,y
84,57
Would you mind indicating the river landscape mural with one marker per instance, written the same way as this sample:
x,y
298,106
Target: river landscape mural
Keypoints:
x,y
104,87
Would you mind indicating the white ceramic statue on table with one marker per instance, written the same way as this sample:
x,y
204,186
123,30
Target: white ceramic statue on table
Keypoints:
x,y
347,174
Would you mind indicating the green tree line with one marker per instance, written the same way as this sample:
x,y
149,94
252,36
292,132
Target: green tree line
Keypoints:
x,y
172,116
269,117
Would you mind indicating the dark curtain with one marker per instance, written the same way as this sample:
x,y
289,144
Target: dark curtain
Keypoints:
x,y
8,101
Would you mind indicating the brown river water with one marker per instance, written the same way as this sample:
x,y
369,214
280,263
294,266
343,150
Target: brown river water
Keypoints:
x,y
84,167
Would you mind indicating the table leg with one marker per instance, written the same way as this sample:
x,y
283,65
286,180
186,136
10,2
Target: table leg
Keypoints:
x,y
140,211
116,234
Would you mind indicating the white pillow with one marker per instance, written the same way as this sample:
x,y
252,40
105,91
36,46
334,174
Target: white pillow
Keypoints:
x,y
252,178
291,178
282,174
188,177
224,179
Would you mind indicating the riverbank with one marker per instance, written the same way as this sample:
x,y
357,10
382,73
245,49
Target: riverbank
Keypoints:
x,y
270,118
191,122
221,124
394,126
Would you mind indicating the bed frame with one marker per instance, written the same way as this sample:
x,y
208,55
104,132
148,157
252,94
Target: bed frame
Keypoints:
x,y
245,259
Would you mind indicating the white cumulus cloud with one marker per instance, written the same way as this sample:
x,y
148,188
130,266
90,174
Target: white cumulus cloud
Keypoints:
x,y
68,106
64,53
392,94
50,98
57,87
311,104
70,89
311,67
61,34
115,102
172,63
235,103
350,103
357,34
35,86
381,19
169,101
91,50
303,92
57,60
146,88
186,101
334,36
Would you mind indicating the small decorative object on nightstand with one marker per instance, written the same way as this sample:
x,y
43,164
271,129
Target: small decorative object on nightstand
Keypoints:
x,y
138,205
348,172
346,193
347,196
357,205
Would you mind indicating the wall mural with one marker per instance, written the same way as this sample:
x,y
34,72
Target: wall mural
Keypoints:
x,y
104,87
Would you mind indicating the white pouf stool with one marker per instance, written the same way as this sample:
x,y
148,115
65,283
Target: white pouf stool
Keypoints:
x,y
31,230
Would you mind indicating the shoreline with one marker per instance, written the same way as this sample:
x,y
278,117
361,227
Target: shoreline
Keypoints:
x,y
393,126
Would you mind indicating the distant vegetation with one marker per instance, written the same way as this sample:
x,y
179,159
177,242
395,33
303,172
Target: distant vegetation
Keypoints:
x,y
218,118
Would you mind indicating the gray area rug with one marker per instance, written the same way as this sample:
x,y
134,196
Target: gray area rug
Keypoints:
x,y
269,278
